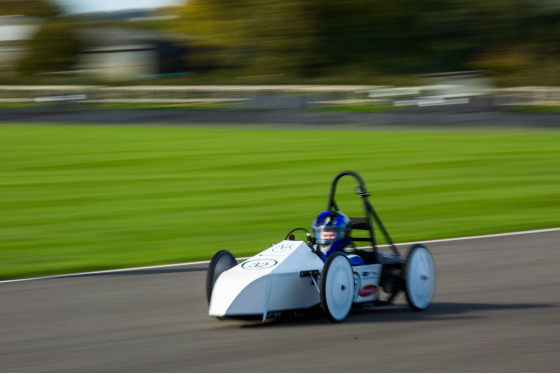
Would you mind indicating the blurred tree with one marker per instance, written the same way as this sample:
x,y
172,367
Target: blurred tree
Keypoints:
x,y
306,37
30,8
53,49
283,34
268,37
384,36
545,31
480,34
212,28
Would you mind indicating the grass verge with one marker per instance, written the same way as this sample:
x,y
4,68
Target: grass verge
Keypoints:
x,y
79,198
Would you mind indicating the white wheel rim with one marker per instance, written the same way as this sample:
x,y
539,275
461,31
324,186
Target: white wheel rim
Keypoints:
x,y
339,288
420,277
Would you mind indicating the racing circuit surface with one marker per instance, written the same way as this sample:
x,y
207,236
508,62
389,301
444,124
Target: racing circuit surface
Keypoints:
x,y
496,309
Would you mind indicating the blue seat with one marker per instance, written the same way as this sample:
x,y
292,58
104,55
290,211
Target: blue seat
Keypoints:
x,y
355,260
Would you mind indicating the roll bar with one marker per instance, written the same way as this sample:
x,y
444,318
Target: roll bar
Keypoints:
x,y
371,218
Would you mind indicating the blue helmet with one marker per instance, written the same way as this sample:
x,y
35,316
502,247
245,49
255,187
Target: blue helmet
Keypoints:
x,y
332,227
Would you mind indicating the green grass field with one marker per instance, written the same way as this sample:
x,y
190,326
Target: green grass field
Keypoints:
x,y
77,198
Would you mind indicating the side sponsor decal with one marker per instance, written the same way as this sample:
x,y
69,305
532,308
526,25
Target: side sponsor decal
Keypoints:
x,y
369,274
367,290
281,248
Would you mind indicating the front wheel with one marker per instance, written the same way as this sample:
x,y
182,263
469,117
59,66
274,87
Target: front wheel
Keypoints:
x,y
337,287
223,260
420,277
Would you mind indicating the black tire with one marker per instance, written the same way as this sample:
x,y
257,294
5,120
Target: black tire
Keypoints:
x,y
337,287
420,277
223,260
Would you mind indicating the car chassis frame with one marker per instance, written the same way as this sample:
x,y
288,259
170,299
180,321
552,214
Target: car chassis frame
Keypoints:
x,y
290,279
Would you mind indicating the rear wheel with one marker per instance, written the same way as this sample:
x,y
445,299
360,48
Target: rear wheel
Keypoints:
x,y
420,277
223,260
337,287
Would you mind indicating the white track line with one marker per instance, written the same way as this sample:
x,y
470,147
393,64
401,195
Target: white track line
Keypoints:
x,y
206,262
479,236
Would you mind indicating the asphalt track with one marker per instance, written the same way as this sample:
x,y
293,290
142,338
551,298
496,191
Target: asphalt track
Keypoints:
x,y
496,309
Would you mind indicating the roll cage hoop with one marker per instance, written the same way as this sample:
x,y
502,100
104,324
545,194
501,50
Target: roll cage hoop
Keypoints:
x,y
366,223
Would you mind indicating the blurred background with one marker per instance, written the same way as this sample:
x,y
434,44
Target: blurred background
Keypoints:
x,y
374,51
516,42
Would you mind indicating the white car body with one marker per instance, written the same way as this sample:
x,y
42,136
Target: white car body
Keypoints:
x,y
284,277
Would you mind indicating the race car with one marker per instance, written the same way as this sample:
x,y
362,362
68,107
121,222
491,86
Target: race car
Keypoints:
x,y
291,277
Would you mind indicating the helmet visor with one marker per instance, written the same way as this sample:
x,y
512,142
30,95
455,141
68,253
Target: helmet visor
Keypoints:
x,y
329,234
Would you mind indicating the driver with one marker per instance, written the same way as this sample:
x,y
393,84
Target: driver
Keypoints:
x,y
332,233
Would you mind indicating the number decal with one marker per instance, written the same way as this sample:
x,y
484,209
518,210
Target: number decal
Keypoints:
x,y
258,264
